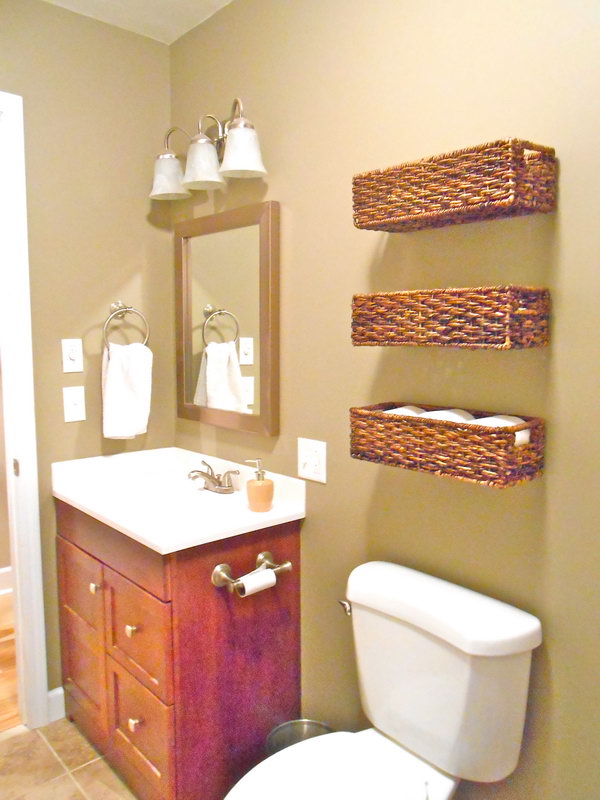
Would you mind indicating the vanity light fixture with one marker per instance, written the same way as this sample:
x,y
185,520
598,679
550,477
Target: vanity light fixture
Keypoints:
x,y
236,144
168,174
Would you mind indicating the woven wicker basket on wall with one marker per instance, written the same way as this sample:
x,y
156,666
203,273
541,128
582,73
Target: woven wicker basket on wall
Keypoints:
x,y
453,449
509,177
498,317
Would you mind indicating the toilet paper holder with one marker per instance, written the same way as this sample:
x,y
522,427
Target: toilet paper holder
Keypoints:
x,y
221,574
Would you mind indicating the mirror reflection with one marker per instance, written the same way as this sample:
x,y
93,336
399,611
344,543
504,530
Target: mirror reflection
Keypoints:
x,y
224,285
227,308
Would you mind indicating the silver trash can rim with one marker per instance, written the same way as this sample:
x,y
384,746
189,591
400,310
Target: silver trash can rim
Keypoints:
x,y
299,730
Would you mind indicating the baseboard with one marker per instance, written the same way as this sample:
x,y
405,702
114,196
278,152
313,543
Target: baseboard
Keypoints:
x,y
6,580
56,704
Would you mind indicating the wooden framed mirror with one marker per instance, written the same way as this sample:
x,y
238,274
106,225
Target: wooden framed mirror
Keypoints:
x,y
227,290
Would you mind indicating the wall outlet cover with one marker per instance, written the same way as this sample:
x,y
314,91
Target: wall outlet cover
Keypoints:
x,y
312,460
248,389
74,403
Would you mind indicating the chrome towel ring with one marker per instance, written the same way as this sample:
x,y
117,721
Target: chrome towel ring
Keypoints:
x,y
210,312
118,311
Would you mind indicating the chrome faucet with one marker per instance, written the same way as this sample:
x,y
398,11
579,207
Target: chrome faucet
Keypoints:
x,y
221,484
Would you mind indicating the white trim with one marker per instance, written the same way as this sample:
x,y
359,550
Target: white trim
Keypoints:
x,y
56,704
6,577
19,418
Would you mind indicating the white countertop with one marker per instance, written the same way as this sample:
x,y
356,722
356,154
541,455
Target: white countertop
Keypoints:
x,y
147,495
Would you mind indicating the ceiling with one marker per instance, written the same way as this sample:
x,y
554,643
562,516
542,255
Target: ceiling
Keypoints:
x,y
163,20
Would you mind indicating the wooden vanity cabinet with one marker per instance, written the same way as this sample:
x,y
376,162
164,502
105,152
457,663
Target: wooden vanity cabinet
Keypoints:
x,y
177,682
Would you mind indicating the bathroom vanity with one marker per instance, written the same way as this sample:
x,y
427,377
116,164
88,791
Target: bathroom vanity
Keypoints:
x,y
176,681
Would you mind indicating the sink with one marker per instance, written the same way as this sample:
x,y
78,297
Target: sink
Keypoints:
x,y
148,496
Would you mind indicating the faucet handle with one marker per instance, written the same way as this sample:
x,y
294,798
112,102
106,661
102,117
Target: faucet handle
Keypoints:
x,y
226,478
346,606
211,472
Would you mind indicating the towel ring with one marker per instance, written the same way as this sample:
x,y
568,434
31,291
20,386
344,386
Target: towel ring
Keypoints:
x,y
118,311
210,312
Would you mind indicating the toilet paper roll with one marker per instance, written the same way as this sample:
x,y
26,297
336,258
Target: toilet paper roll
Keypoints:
x,y
405,411
504,421
255,582
450,415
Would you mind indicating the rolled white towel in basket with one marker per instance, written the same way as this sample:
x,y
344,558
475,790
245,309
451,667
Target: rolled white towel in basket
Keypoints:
x,y
405,411
505,421
449,415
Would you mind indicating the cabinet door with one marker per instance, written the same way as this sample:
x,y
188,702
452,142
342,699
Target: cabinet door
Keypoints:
x,y
142,737
138,634
82,640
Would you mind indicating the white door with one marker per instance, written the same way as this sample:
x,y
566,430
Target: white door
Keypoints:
x,y
19,418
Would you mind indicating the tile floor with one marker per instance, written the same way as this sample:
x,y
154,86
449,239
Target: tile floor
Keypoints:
x,y
55,763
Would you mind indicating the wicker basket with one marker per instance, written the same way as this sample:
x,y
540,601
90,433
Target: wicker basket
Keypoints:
x,y
506,178
455,449
498,317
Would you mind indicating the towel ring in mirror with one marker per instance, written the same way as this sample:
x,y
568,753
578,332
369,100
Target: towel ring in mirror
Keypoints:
x,y
210,312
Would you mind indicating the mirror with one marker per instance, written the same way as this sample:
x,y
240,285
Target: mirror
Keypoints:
x,y
227,296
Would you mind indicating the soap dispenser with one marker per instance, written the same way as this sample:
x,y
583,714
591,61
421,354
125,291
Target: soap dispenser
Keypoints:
x,y
260,491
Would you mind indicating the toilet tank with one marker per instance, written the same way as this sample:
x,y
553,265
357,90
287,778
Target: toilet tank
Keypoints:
x,y
443,670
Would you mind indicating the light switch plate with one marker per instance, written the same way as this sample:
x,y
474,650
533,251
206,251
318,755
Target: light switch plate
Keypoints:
x,y
74,403
312,460
72,355
246,351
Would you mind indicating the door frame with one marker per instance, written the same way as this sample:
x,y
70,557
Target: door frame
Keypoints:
x,y
19,419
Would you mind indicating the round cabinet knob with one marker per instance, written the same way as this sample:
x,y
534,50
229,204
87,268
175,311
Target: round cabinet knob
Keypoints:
x,y
133,724
130,630
94,588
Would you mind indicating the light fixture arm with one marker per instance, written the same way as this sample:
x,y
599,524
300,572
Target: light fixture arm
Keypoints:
x,y
169,133
237,109
220,135
237,119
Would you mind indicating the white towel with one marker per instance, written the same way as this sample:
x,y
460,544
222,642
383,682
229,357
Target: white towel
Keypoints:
x,y
126,390
220,379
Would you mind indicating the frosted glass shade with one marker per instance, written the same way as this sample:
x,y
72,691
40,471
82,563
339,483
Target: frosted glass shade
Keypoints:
x,y
242,157
168,177
202,168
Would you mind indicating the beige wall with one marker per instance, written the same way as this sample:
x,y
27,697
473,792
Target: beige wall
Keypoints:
x,y
96,103
335,88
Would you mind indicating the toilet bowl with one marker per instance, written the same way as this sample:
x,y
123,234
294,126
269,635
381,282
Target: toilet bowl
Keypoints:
x,y
436,662
349,766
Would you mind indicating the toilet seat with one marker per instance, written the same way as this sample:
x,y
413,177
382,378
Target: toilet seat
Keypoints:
x,y
352,766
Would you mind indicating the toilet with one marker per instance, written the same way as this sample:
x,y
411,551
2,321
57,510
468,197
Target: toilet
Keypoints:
x,y
443,674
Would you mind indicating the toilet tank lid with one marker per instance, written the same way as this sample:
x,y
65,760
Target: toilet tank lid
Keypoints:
x,y
472,622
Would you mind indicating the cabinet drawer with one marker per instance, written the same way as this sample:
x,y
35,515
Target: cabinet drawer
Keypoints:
x,y
81,584
141,730
138,634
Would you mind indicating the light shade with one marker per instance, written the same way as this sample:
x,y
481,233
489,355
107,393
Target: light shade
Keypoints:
x,y
202,168
242,158
168,177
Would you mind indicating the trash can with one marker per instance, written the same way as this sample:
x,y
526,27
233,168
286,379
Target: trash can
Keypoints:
x,y
294,731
